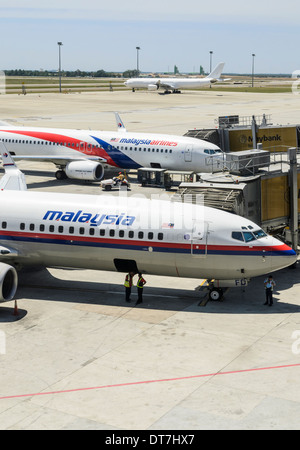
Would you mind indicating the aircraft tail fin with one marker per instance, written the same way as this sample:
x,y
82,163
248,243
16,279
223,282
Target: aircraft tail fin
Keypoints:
x,y
120,124
13,179
217,72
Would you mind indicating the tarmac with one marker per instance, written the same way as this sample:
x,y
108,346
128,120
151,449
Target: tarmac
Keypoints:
x,y
74,355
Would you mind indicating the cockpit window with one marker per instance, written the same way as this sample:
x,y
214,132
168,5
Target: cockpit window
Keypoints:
x,y
259,234
209,151
237,235
248,236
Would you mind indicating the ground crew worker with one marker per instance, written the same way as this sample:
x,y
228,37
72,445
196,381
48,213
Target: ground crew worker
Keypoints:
x,y
120,176
269,285
140,284
128,284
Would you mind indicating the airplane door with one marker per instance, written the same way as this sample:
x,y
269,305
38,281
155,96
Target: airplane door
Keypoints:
x,y
188,153
199,240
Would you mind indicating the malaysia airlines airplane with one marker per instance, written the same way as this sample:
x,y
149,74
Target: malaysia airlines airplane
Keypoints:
x,y
125,234
86,154
175,84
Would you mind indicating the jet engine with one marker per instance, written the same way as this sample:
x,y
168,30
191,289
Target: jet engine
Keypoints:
x,y
84,170
153,87
8,282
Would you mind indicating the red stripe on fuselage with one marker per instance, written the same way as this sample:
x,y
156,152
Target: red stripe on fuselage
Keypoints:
x,y
83,146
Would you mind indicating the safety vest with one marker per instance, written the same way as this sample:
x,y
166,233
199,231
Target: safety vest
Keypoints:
x,y
140,282
127,281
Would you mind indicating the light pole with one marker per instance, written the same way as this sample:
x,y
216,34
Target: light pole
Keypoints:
x,y
210,61
253,56
210,64
137,60
59,64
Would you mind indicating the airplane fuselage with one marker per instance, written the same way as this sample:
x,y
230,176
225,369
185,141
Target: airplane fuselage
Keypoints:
x,y
160,237
119,149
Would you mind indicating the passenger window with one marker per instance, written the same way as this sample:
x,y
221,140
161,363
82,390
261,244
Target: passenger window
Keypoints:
x,y
150,235
237,235
51,228
102,232
4,224
81,230
121,233
92,231
160,236
111,233
71,230
248,236
60,229
131,234
140,235
42,227
31,227
22,226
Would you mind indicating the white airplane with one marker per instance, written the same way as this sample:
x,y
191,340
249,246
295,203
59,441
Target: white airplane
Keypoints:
x,y
129,234
175,84
86,154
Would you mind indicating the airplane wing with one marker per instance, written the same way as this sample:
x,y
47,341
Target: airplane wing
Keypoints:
x,y
13,178
59,160
165,85
6,252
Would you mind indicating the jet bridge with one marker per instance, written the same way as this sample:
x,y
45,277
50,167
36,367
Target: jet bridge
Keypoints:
x,y
268,197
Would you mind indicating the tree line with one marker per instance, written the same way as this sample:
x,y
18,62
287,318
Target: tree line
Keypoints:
x,y
70,73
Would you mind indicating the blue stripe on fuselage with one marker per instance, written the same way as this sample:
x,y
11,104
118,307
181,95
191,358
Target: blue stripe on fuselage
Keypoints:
x,y
117,156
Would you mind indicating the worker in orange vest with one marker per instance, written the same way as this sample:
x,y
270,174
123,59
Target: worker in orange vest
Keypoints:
x,y
128,285
140,285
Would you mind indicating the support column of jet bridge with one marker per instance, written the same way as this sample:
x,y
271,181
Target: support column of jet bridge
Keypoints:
x,y
293,188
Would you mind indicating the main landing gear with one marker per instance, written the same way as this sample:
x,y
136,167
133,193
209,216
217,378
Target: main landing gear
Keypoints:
x,y
61,175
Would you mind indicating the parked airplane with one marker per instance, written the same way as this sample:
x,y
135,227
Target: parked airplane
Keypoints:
x,y
129,234
86,154
174,84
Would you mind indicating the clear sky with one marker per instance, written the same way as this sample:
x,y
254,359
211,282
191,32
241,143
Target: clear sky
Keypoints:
x,y
103,34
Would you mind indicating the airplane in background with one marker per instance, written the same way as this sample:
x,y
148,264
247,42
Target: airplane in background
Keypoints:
x,y
175,84
104,232
86,154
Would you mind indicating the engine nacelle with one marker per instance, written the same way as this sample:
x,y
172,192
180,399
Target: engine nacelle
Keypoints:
x,y
85,170
8,282
152,87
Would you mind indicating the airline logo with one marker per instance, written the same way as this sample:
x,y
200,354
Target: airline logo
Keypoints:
x,y
144,142
93,219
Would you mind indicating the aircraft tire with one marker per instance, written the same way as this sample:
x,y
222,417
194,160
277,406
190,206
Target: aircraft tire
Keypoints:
x,y
60,175
215,294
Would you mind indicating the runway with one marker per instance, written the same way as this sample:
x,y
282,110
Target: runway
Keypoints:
x,y
75,356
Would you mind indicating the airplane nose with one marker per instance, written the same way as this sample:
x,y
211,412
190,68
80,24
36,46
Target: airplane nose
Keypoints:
x,y
282,255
